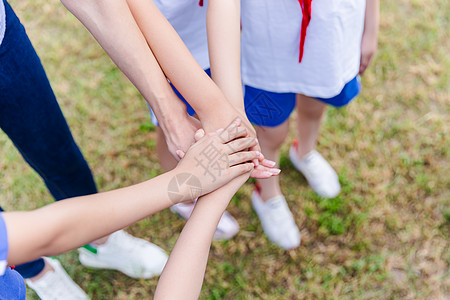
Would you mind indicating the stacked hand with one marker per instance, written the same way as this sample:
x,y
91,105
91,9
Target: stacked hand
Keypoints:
x,y
220,157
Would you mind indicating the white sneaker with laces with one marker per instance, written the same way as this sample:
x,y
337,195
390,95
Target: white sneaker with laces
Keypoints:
x,y
277,221
226,229
320,175
132,256
56,285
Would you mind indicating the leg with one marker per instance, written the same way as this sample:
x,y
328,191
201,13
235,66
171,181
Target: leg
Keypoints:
x,y
31,117
310,113
269,203
270,140
317,171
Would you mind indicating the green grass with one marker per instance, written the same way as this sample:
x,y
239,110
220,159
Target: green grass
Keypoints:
x,y
384,237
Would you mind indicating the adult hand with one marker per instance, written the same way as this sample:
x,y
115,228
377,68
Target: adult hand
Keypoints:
x,y
179,132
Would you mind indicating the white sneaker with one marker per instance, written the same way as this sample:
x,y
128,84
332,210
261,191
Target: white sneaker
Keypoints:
x,y
56,285
320,175
134,257
277,221
226,229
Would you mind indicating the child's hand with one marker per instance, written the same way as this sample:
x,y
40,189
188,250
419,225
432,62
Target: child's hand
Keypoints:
x,y
370,35
214,160
368,48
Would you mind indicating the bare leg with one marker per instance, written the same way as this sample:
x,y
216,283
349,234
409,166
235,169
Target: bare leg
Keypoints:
x,y
310,113
271,139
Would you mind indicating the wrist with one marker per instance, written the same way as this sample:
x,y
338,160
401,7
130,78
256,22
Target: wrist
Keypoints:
x,y
183,186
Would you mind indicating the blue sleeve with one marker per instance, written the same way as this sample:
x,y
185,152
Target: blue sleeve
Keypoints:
x,y
12,285
3,245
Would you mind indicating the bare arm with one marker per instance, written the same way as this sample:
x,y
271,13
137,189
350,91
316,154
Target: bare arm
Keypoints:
x,y
186,266
370,36
67,224
223,28
176,61
114,27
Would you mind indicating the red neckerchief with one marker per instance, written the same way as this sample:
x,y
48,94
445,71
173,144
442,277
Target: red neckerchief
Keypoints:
x,y
306,12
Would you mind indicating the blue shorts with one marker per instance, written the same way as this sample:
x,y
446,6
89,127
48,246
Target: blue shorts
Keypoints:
x,y
270,109
189,108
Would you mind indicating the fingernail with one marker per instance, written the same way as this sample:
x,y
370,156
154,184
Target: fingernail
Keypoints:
x,y
275,171
258,153
271,163
268,173
219,130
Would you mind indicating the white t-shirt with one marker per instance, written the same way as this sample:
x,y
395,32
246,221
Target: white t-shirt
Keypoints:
x,y
271,39
188,18
2,21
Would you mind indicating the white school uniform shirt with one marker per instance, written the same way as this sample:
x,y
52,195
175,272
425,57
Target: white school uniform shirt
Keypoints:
x,y
2,21
188,18
271,38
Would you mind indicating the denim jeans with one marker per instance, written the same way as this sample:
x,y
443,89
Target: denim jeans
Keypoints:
x,y
32,119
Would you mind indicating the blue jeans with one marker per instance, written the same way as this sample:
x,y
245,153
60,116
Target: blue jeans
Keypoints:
x,y
32,119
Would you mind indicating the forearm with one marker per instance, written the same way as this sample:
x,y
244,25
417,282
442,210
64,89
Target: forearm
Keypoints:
x,y
187,262
372,17
176,61
70,223
223,28
113,26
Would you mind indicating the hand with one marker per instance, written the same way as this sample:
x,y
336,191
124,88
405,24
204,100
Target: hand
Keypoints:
x,y
180,134
368,47
214,160
263,168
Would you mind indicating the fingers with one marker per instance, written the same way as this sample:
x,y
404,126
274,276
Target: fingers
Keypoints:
x,y
241,157
233,131
267,163
241,169
240,144
365,61
261,172
180,154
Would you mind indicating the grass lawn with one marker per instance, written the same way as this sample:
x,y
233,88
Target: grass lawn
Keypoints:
x,y
386,236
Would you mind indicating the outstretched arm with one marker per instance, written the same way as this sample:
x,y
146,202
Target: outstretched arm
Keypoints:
x,y
177,62
186,266
113,26
67,224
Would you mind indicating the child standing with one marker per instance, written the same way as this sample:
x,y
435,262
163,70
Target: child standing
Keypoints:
x,y
306,54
